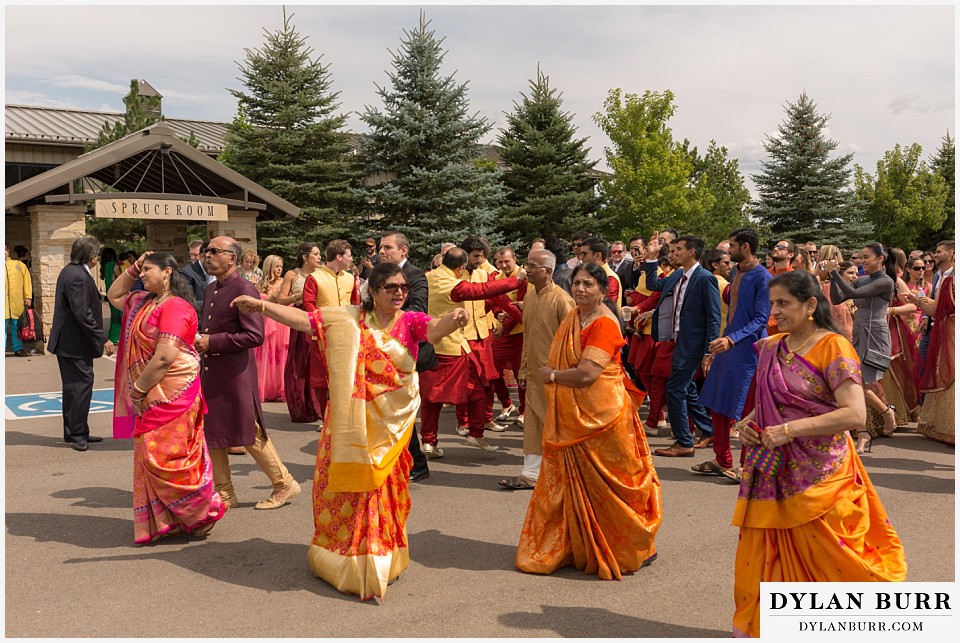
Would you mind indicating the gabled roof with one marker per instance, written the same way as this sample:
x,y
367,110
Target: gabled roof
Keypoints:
x,y
76,128
154,162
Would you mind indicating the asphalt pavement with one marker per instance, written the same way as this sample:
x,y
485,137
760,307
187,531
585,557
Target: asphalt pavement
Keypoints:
x,y
73,570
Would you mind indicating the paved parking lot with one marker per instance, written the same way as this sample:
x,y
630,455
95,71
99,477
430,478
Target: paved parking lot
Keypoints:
x,y
72,569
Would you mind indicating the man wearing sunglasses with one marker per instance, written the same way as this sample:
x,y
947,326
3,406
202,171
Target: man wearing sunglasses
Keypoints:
x,y
783,254
229,378
370,259
576,240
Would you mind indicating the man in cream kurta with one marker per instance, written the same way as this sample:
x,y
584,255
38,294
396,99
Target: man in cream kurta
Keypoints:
x,y
545,306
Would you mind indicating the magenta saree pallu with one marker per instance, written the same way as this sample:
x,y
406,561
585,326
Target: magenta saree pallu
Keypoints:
x,y
172,471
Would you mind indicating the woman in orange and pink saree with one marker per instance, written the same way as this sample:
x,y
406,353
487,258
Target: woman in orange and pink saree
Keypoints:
x,y
158,402
597,503
361,497
815,516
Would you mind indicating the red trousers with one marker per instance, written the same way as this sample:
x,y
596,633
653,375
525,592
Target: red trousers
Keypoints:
x,y
721,432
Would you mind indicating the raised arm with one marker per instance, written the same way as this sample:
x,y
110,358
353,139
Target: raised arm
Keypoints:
x,y
288,316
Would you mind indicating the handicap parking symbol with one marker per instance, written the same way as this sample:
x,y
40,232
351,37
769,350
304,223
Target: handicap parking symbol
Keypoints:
x,y
34,405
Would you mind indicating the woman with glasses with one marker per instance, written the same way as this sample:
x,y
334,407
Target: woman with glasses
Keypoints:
x,y
361,497
929,267
872,294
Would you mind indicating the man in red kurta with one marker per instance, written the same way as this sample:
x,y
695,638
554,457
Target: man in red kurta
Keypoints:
x,y
508,341
229,378
461,375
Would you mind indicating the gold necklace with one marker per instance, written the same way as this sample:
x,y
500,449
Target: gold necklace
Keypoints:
x,y
793,353
593,315
385,330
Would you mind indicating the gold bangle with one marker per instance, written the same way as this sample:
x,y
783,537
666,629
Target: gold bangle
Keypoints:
x,y
138,389
263,307
786,432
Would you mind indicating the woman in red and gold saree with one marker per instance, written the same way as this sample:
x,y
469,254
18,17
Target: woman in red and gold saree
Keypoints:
x,y
158,401
597,503
817,519
899,382
937,417
361,498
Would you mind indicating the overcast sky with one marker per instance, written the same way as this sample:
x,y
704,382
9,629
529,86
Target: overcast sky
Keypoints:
x,y
886,74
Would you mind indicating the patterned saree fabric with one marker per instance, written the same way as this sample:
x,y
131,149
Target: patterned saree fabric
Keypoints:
x,y
361,499
938,418
172,472
597,503
819,519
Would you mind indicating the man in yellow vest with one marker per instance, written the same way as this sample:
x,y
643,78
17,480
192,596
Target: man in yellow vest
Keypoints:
x,y
330,285
464,367
508,341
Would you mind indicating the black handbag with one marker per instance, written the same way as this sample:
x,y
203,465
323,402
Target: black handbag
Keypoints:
x,y
877,360
426,357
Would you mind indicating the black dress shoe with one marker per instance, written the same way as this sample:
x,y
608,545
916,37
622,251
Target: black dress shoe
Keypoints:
x,y
20,353
422,474
94,438
79,444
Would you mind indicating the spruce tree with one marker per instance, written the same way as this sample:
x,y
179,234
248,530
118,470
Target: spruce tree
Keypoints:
x,y
804,194
944,164
548,190
287,137
425,146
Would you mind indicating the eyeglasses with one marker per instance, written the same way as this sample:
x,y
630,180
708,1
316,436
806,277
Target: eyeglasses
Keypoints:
x,y
395,288
781,247
916,267
576,244
533,266
216,251
371,247
616,252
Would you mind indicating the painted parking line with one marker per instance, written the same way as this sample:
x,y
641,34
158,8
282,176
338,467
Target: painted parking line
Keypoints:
x,y
34,405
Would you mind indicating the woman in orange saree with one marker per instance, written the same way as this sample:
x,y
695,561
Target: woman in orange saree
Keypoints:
x,y
157,401
597,503
817,518
361,497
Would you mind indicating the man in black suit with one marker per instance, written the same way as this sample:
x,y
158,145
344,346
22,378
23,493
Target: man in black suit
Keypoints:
x,y
77,337
197,275
395,247
621,264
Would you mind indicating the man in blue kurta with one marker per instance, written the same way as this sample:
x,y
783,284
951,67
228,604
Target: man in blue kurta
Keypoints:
x,y
734,360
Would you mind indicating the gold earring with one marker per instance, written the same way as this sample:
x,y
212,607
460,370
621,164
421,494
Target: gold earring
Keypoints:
x,y
810,317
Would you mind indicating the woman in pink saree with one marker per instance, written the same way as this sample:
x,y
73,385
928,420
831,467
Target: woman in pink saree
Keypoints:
x,y
158,402
816,517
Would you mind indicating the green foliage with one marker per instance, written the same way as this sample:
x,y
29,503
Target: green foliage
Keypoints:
x,y
422,148
944,164
720,189
650,188
904,196
138,114
287,137
804,194
548,190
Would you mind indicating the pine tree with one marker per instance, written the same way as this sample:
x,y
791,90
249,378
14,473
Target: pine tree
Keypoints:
x,y
943,163
425,146
804,195
548,190
287,137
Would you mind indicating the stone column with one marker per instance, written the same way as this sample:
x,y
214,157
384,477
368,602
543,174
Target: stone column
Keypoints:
x,y
168,236
53,229
17,232
242,226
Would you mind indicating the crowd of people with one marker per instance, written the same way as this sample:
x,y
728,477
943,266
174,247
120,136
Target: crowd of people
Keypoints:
x,y
655,334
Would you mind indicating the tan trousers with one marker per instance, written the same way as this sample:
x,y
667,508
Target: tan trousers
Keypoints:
x,y
263,453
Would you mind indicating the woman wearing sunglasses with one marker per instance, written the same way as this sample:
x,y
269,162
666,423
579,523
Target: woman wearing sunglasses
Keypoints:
x,y
361,498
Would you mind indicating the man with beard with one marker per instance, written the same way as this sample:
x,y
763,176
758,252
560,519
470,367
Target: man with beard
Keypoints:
x,y
733,361
508,342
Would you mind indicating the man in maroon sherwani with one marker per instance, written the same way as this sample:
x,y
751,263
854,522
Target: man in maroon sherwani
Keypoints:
x,y
229,378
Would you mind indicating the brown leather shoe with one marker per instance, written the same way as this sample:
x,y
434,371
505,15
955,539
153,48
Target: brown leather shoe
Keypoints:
x,y
676,451
703,443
